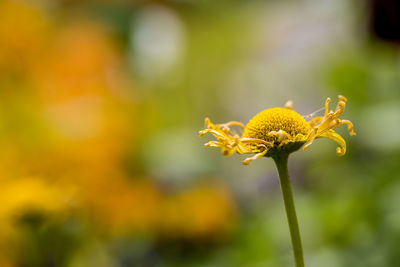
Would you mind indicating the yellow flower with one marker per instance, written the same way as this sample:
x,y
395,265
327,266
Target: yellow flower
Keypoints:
x,y
278,130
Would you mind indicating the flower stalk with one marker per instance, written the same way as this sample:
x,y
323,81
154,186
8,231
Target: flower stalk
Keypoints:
x,y
281,161
277,132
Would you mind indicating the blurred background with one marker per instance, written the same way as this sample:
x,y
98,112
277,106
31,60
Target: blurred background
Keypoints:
x,y
100,107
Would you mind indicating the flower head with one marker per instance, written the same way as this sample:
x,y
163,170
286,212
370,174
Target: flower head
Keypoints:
x,y
278,130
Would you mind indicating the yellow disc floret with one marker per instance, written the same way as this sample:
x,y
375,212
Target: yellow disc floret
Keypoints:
x,y
275,120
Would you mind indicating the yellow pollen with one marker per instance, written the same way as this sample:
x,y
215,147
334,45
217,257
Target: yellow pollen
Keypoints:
x,y
276,120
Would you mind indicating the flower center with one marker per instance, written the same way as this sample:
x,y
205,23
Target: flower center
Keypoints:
x,y
275,119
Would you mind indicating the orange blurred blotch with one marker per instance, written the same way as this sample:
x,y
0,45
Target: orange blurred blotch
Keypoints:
x,y
24,33
117,205
78,83
81,60
203,212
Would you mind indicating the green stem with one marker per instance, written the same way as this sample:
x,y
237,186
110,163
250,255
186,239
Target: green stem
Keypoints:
x,y
281,162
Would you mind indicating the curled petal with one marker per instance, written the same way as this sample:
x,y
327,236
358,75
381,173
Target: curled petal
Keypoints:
x,y
331,134
311,136
207,122
233,123
213,144
342,98
328,100
203,132
324,126
350,127
256,156
231,143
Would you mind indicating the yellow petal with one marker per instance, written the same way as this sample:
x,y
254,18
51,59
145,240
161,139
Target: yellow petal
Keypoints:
x,y
331,134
